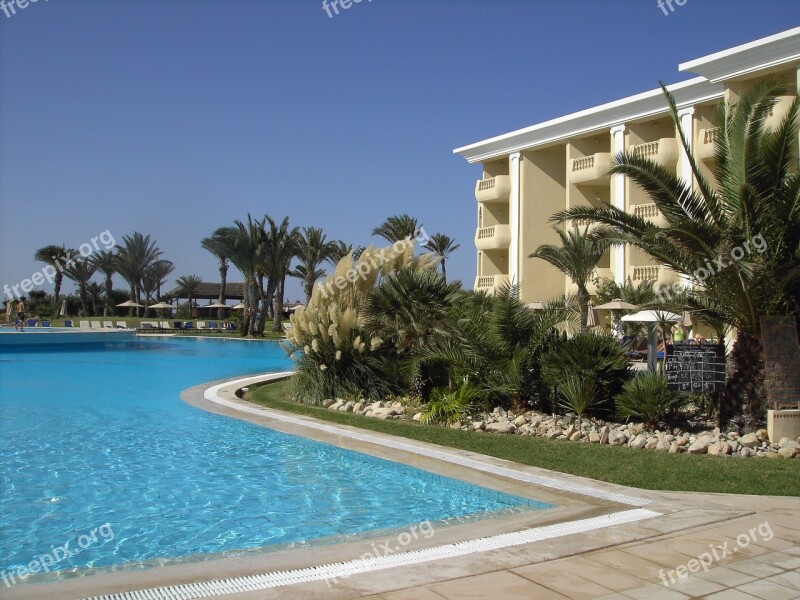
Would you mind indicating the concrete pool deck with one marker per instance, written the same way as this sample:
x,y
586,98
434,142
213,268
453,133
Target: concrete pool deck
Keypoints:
x,y
584,558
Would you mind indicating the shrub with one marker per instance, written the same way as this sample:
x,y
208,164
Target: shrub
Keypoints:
x,y
648,398
598,357
446,408
578,394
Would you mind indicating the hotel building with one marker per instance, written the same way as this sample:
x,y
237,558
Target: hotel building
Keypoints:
x,y
529,174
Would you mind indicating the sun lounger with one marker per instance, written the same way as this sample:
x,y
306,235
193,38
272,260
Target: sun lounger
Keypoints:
x,y
201,325
84,324
96,325
188,325
30,323
177,324
45,323
165,325
68,323
122,325
108,324
212,325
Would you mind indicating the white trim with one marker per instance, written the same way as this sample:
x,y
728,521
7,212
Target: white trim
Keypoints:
x,y
603,117
618,201
515,170
779,49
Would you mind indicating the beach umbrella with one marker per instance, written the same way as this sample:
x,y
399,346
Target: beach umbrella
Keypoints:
x,y
217,305
161,305
129,304
616,306
650,318
239,306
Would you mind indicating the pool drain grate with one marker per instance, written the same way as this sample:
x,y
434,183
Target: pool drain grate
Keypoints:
x,y
335,571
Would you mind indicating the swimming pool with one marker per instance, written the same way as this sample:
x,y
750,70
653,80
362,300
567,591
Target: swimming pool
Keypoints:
x,y
96,436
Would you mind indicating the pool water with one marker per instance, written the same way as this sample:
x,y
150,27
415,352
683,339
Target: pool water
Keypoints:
x,y
97,438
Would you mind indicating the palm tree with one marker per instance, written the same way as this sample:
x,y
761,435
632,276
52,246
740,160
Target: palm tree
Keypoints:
x,y
396,228
55,257
188,287
577,258
153,278
81,271
281,247
134,256
243,245
755,206
340,249
106,262
312,251
216,245
442,245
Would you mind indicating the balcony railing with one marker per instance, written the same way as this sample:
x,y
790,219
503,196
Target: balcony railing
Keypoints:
x,y
495,237
590,170
494,189
706,143
490,283
651,213
663,152
659,274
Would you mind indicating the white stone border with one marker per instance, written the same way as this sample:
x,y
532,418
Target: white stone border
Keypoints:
x,y
212,395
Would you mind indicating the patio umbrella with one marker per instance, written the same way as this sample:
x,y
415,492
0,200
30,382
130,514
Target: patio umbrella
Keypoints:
x,y
129,304
218,305
160,305
616,306
239,306
593,320
651,317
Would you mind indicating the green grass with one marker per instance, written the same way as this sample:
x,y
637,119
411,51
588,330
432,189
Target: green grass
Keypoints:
x,y
135,322
645,469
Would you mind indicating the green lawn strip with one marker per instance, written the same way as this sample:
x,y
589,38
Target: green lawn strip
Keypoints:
x,y
645,469
135,322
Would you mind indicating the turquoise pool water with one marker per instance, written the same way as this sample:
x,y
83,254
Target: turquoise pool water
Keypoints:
x,y
97,438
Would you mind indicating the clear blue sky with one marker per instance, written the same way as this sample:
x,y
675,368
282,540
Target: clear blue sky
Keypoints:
x,y
175,117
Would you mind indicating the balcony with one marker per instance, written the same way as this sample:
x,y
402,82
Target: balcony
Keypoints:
x,y
662,276
663,152
490,283
496,237
495,189
590,170
706,140
650,213
778,112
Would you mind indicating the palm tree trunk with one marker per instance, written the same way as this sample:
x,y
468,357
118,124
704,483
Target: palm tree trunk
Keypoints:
x,y
744,390
223,278
278,307
444,270
583,299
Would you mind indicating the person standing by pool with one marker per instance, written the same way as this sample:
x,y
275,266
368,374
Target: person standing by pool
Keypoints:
x,y
21,314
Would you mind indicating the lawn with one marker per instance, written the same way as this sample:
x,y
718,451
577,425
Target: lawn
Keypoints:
x,y
626,466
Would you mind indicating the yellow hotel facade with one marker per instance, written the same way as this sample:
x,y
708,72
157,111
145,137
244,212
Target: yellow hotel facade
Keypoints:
x,y
529,174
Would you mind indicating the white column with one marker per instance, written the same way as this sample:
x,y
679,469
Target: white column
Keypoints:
x,y
513,217
618,201
686,118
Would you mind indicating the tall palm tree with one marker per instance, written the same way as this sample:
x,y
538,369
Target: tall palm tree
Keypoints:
x,y
81,271
216,245
188,287
154,277
55,257
577,258
396,228
243,245
281,247
755,205
105,261
443,246
134,256
312,250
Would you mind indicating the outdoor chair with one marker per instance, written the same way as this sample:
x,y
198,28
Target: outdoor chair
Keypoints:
x,y
212,325
165,325
121,325
45,323
201,325
96,325
84,324
68,323
188,325
30,323
108,324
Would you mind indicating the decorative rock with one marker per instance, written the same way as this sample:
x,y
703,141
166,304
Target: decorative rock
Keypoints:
x,y
328,403
700,446
575,436
348,407
478,425
746,452
617,438
639,442
788,452
788,443
651,444
734,446
520,421
763,434
337,405
750,440
417,417
456,425
501,427
570,430
682,441
551,435
359,407
675,448
772,455
719,449
383,413
664,445
594,437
